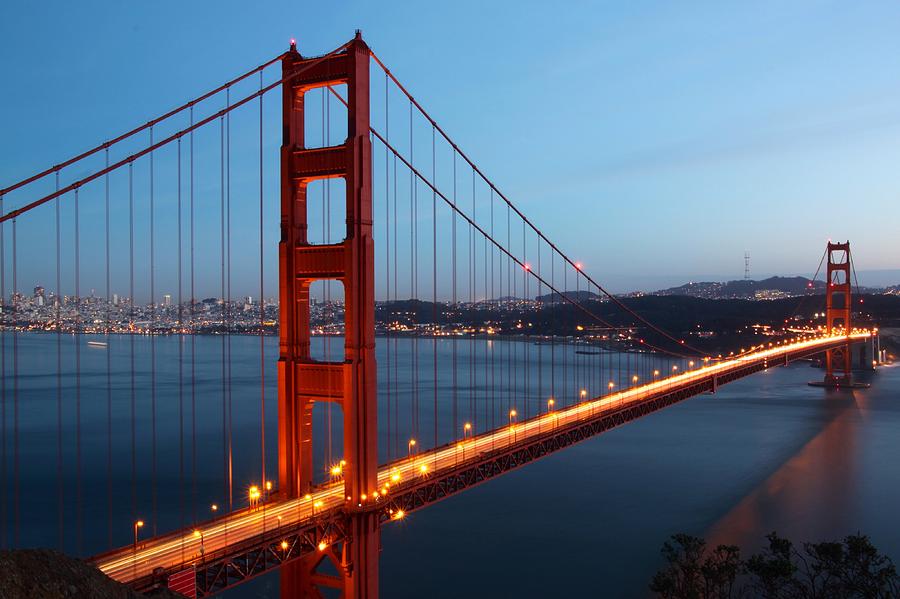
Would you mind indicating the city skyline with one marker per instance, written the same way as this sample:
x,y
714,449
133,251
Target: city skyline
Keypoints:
x,y
684,156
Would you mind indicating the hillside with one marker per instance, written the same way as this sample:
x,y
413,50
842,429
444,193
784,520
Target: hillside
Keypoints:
x,y
48,574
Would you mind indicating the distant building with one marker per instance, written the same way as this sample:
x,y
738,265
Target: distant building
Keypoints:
x,y
115,299
770,294
167,300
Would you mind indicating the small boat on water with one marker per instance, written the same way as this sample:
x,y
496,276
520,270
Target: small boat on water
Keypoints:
x,y
97,343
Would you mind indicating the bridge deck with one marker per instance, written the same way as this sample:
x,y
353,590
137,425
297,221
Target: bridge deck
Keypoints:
x,y
422,479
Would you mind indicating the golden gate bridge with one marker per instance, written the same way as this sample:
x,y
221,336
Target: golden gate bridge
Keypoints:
x,y
448,237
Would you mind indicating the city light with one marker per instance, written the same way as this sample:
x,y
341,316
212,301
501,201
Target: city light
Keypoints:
x,y
284,545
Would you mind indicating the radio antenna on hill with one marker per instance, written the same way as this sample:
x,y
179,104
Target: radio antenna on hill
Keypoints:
x,y
746,265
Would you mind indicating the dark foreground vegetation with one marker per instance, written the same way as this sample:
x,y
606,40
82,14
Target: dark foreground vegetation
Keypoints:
x,y
48,574
848,569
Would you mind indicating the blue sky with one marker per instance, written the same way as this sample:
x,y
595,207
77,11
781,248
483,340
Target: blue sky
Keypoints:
x,y
655,141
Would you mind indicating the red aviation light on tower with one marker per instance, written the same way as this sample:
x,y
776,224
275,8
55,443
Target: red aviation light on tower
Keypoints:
x,y
578,266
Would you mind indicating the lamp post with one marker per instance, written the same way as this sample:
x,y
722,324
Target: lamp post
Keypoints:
x,y
409,446
137,525
198,534
512,423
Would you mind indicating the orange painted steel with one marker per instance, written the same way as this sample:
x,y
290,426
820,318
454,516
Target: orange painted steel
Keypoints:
x,y
303,381
838,301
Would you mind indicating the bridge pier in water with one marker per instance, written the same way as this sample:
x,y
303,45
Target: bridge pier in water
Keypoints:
x,y
348,569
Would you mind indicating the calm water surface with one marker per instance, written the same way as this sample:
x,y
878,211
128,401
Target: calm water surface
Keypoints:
x,y
765,453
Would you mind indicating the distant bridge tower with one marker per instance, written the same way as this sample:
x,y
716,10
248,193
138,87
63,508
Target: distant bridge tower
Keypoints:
x,y
747,265
303,381
838,302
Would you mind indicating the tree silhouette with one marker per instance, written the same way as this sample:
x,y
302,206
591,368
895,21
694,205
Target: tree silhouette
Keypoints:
x,y
848,569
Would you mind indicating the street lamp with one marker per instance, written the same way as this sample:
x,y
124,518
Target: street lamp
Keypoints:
x,y
409,446
467,428
512,420
138,524
214,508
583,393
253,494
198,534
634,379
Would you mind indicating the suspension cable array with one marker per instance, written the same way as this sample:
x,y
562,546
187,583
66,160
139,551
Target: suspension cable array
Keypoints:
x,y
483,323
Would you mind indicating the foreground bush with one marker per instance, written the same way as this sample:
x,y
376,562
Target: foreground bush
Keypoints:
x,y
849,569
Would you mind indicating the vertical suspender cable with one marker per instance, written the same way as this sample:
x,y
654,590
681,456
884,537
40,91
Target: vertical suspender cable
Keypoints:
x,y
470,258
192,335
78,502
181,485
131,335
414,422
108,370
493,302
387,256
226,490
486,348
540,306
454,305
228,303
396,341
262,302
434,311
153,489
527,385
60,507
15,275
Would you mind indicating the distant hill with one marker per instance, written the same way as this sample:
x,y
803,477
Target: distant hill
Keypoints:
x,y
746,288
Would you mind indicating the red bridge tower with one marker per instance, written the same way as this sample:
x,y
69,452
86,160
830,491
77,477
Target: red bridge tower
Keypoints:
x,y
838,302
303,381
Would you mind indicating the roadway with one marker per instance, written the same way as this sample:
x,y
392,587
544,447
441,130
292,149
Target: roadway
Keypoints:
x,y
182,548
